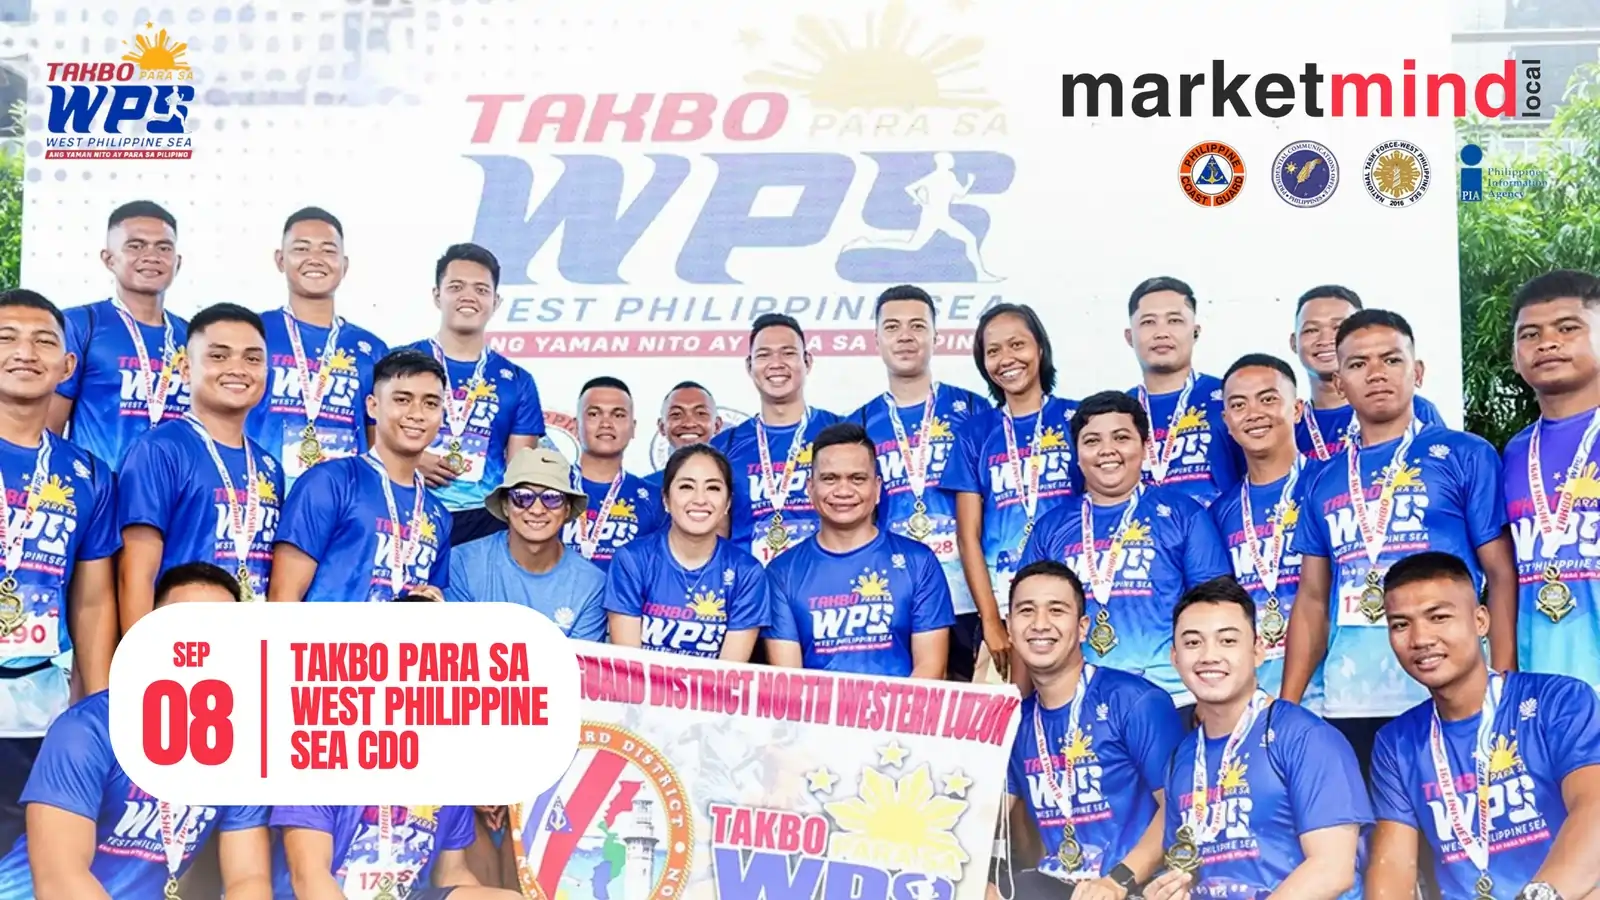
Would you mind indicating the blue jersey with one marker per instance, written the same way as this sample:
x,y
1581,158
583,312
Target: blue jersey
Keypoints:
x,y
1545,727
984,465
338,515
1274,515
1447,498
1119,753
488,407
614,518
1189,448
952,408
752,515
1169,544
170,483
483,571
1293,774
1321,434
107,388
683,611
77,772
1558,574
857,611
420,834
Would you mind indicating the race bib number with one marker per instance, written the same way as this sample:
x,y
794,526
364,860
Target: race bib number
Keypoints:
x,y
1350,611
39,635
336,444
362,881
763,549
943,544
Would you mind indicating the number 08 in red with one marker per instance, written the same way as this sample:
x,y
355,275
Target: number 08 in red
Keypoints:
x,y
193,723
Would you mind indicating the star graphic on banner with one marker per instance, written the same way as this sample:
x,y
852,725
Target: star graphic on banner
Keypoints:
x,y
956,784
892,755
821,781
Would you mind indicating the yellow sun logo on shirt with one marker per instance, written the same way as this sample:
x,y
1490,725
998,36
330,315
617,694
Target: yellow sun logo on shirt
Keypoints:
x,y
1503,756
1289,513
480,390
1586,486
1077,748
708,605
425,530
341,361
1409,476
264,488
57,494
179,356
1233,777
622,509
899,824
1137,533
429,814
1193,419
804,456
871,584
939,430
1051,439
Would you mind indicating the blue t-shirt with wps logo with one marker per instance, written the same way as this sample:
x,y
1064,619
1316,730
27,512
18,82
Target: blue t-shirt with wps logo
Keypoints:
x,y
684,611
636,510
1202,459
108,394
752,508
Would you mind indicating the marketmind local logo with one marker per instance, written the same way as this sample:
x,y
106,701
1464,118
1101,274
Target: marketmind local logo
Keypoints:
x,y
91,102
664,223
1512,92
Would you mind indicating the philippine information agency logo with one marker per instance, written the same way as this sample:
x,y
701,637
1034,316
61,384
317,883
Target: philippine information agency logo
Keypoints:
x,y
1211,174
1396,173
92,103
1305,174
1495,182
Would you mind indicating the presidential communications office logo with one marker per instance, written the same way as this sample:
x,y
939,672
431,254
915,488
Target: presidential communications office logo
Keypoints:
x,y
1396,174
1211,174
1305,174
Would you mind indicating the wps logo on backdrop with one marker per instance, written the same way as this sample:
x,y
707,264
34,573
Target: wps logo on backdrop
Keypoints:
x,y
97,107
662,224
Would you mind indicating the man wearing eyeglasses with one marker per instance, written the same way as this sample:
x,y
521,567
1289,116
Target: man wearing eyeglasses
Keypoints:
x,y
527,563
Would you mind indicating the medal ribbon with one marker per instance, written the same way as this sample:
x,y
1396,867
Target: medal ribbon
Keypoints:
x,y
1541,501
174,840
156,388
919,456
1375,533
1474,842
1063,795
780,498
457,412
1028,488
1319,447
1204,817
1158,463
400,551
243,521
1267,569
13,539
589,536
1103,578
386,846
312,390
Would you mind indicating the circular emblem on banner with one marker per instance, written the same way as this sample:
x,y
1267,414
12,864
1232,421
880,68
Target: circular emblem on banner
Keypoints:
x,y
1396,173
1305,174
620,819
561,434
660,449
1211,174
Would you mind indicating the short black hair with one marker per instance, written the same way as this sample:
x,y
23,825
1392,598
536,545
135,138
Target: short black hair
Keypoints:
x,y
1374,318
904,292
313,214
1328,292
1030,320
467,253
1157,284
404,363
195,573
1430,565
775,320
1556,285
1263,361
141,209
841,434
225,312
1047,568
605,381
33,300
683,454
1106,403
1223,589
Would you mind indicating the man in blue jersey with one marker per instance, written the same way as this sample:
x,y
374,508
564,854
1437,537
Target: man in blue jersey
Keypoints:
x,y
1188,448
914,425
1136,547
1264,798
688,416
58,605
1497,773
93,833
1257,517
364,528
492,407
320,366
416,852
1402,487
771,452
1323,426
128,347
622,506
856,597
1551,473
198,488
1091,753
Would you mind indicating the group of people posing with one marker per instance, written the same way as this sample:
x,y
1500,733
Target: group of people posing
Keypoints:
x,y
1186,579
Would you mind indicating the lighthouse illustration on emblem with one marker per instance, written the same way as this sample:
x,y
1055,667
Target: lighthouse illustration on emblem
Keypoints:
x,y
640,873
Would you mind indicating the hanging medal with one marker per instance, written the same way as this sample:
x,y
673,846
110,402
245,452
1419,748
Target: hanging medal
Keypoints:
x,y
1274,625
13,608
459,412
778,493
1102,570
386,880
589,535
917,457
157,388
1555,598
1157,462
1027,488
313,390
1474,837
401,549
1375,530
244,520
1064,789
174,844
1205,817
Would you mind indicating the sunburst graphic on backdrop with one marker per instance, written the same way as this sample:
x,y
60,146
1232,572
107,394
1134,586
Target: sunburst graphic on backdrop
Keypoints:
x,y
878,68
160,54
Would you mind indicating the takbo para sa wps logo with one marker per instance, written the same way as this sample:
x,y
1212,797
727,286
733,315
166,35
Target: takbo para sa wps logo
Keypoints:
x,y
96,108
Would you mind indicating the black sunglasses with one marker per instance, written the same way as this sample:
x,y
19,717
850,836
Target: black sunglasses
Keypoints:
x,y
523,497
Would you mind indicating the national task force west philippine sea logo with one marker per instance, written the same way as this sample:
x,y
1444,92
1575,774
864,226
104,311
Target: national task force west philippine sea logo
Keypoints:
x,y
97,109
1396,174
1305,174
1211,174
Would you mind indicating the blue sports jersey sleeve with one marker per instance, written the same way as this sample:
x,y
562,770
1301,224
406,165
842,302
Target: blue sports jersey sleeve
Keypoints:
x,y
1205,556
750,604
243,818
1325,785
77,338
528,417
1043,540
1227,459
591,624
458,590
1569,714
150,472
71,769
455,829
1390,800
1153,731
1425,411
783,626
316,818
439,572
624,591
1480,481
961,470
932,608
1310,530
103,538
313,509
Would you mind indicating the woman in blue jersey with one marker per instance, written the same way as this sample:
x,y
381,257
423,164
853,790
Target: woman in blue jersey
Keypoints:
x,y
685,589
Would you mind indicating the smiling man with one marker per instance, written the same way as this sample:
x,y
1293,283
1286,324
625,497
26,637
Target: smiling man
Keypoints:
x,y
688,416
622,507
320,364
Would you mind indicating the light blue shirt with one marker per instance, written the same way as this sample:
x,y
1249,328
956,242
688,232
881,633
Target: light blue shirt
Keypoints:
x,y
482,571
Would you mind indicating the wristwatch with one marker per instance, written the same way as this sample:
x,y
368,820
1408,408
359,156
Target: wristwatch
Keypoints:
x,y
1125,879
1538,890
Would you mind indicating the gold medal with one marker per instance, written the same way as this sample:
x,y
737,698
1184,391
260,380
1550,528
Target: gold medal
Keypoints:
x,y
1372,598
455,462
385,889
777,535
920,526
13,611
1102,637
310,446
170,892
1554,600
1273,625
1070,853
1184,854
247,590
1484,889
